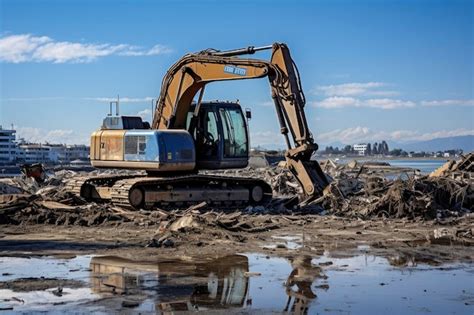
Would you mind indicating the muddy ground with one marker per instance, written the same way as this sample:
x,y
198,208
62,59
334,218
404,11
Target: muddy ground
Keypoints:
x,y
280,235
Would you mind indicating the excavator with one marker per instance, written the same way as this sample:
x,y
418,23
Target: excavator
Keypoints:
x,y
188,136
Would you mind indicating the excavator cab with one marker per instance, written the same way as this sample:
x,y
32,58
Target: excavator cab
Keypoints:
x,y
220,134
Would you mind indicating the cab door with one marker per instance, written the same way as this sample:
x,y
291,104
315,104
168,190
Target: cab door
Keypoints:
x,y
208,136
221,138
234,132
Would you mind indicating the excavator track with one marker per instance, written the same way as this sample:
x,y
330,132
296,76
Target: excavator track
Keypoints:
x,y
171,192
86,186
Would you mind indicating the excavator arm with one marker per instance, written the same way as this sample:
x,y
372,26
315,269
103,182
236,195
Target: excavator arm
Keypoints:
x,y
191,73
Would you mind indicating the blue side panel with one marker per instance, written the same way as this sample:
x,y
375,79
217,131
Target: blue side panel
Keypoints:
x,y
165,146
178,147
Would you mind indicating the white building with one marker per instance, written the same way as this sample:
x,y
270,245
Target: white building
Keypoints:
x,y
12,152
35,153
57,153
361,149
52,153
8,148
77,152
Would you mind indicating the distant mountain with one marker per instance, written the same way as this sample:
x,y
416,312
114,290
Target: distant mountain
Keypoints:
x,y
466,143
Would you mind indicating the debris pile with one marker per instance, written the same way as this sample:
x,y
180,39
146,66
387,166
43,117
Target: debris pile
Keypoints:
x,y
364,192
196,222
412,198
358,190
69,210
462,170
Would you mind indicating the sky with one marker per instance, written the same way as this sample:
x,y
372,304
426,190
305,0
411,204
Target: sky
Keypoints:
x,y
371,70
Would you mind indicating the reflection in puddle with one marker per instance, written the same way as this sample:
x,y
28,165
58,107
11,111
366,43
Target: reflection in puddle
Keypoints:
x,y
222,283
238,283
298,285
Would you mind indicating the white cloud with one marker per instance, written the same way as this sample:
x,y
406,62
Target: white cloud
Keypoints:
x,y
383,93
387,103
356,94
155,50
40,135
29,48
371,95
145,114
267,139
344,135
353,89
363,134
468,102
343,101
18,48
337,102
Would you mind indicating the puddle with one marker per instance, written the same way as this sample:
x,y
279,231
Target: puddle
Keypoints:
x,y
239,283
286,241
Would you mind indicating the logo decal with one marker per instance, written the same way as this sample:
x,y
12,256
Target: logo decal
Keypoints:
x,y
235,70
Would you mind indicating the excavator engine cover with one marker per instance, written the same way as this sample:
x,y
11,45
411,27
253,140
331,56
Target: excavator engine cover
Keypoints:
x,y
150,150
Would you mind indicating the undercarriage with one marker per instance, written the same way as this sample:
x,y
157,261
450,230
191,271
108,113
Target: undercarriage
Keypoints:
x,y
148,192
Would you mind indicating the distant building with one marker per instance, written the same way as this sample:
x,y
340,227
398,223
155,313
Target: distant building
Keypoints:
x,y
13,152
8,148
52,153
57,153
361,149
35,153
77,152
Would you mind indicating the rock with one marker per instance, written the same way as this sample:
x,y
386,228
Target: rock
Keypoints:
x,y
153,243
58,291
187,221
129,304
249,274
168,243
7,186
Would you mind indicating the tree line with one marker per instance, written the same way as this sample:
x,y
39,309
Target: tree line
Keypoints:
x,y
372,149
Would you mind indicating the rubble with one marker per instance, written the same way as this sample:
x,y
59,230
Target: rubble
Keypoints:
x,y
358,190
449,191
460,170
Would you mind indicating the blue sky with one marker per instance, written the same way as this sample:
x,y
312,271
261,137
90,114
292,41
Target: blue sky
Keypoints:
x,y
371,70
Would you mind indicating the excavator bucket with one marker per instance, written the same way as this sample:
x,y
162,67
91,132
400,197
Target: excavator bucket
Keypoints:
x,y
311,178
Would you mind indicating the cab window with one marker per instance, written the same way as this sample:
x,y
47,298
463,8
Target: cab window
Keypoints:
x,y
235,132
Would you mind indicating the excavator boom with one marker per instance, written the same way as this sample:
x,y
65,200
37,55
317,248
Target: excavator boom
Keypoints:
x,y
193,72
